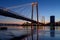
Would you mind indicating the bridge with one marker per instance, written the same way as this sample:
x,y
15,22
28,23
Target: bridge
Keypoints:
x,y
8,13
12,15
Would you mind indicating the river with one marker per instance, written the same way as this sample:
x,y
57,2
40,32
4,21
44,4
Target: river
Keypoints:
x,y
43,32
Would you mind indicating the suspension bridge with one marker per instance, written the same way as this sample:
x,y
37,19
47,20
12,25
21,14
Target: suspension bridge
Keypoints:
x,y
8,13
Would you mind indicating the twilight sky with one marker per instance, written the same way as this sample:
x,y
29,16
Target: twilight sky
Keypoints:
x,y
46,9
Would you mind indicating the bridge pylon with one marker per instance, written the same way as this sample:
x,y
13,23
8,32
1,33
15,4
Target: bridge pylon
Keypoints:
x,y
36,5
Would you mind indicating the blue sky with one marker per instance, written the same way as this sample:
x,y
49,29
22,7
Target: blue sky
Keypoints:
x,y
46,8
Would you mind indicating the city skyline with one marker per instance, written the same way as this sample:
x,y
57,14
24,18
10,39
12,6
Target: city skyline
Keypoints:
x,y
46,9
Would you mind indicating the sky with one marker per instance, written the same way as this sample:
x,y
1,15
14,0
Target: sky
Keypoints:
x,y
46,8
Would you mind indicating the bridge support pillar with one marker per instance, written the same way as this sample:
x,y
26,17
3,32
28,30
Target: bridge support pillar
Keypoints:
x,y
32,22
52,26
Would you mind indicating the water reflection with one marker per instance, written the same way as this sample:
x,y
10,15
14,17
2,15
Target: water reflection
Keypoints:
x,y
43,32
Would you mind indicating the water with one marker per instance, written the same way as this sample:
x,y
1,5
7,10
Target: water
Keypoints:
x,y
44,33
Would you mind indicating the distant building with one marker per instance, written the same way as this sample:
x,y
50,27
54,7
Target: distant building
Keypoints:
x,y
52,19
52,26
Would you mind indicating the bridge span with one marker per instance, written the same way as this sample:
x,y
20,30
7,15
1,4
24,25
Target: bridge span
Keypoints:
x,y
12,15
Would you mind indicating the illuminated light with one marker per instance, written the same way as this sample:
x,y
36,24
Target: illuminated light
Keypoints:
x,y
33,4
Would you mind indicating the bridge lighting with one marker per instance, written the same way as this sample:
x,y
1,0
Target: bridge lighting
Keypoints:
x,y
33,4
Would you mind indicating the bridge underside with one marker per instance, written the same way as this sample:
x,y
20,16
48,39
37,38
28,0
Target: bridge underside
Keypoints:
x,y
12,15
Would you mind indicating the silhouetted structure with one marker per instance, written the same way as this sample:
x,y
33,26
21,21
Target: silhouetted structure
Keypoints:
x,y
52,26
12,15
3,28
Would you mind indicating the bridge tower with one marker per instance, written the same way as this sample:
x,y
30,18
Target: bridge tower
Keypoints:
x,y
36,5
32,19
37,19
